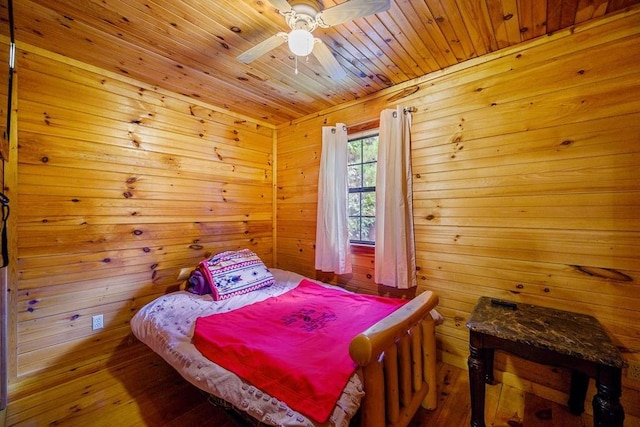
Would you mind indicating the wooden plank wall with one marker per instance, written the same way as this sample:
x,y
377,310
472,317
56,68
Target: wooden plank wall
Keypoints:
x,y
120,186
4,94
526,187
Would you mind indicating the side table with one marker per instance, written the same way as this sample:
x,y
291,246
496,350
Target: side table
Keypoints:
x,y
551,337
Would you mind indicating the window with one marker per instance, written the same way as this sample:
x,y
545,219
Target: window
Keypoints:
x,y
361,162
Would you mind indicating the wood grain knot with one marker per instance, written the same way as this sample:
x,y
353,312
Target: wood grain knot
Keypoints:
x,y
604,273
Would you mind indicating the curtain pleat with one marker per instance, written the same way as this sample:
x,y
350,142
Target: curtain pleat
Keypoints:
x,y
395,260
332,233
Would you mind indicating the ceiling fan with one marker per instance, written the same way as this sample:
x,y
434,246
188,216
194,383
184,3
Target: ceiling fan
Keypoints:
x,y
304,16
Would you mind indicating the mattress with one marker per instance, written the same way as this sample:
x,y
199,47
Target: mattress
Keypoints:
x,y
166,325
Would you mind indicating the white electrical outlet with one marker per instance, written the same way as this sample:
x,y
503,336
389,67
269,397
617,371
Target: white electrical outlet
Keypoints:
x,y
97,322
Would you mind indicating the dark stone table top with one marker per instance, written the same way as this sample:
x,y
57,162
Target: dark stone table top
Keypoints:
x,y
564,332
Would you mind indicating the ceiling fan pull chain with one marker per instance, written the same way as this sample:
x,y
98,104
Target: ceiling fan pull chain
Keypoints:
x,y
296,64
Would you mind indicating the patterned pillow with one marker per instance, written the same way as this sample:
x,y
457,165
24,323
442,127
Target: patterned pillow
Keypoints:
x,y
235,272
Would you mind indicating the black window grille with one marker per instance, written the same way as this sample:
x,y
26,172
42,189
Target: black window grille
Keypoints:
x,y
362,164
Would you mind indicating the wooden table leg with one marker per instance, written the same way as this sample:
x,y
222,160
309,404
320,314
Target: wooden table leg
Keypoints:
x,y
607,410
578,392
488,366
476,381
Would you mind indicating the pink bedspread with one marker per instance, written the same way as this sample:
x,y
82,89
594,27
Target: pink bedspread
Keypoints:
x,y
295,346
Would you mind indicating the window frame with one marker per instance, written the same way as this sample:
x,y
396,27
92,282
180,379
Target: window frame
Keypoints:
x,y
370,189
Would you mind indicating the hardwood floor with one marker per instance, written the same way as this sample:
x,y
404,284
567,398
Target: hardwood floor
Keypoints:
x,y
116,397
505,407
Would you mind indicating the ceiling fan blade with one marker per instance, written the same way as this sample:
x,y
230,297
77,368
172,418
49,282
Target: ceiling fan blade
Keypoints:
x,y
281,5
262,48
328,61
351,10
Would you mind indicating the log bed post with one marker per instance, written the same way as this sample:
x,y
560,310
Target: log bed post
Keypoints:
x,y
398,360
429,357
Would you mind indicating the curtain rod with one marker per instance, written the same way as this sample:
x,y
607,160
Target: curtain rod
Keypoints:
x,y
364,122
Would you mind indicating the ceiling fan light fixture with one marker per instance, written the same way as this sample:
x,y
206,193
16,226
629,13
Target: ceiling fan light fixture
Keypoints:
x,y
303,17
300,42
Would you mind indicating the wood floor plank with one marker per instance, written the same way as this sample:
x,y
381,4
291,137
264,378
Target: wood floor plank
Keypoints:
x,y
170,401
510,408
492,401
447,376
539,412
202,415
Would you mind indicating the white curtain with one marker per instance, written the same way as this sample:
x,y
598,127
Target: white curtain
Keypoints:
x,y
332,233
395,259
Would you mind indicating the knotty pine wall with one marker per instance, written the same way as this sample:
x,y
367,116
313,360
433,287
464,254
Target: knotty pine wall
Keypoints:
x,y
526,187
119,187
526,168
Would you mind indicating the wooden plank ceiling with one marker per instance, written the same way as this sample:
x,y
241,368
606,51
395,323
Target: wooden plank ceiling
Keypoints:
x,y
190,46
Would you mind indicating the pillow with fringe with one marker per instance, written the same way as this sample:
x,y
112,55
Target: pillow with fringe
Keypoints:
x,y
230,273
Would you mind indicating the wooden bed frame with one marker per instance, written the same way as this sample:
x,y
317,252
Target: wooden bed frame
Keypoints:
x,y
398,360
397,357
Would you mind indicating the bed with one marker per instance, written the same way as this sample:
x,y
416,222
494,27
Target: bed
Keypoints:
x,y
395,358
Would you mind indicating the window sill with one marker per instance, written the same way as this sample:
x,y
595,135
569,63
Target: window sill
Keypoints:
x,y
357,248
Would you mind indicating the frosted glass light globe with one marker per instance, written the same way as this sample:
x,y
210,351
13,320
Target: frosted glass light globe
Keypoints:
x,y
300,42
